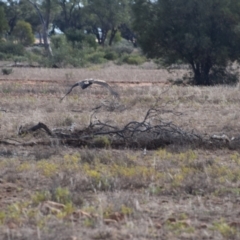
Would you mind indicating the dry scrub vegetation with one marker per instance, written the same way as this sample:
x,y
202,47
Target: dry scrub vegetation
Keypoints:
x,y
60,187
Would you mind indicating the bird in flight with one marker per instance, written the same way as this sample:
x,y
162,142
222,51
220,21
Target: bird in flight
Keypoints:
x,y
88,82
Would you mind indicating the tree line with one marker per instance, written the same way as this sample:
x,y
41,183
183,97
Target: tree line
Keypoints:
x,y
203,34
99,18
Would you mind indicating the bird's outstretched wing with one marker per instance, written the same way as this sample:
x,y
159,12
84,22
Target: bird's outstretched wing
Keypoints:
x,y
105,84
88,82
71,88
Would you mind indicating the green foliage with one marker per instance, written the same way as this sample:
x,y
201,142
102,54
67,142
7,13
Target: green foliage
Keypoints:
x,y
123,47
133,59
40,197
33,57
71,162
64,54
220,75
178,227
126,210
47,168
111,55
62,195
107,18
74,53
2,217
11,48
3,56
102,141
23,33
96,57
58,42
75,36
3,21
80,39
226,231
91,41
117,37
205,34
89,222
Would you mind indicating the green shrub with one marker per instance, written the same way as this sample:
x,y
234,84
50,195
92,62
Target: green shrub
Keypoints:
x,y
62,195
32,57
37,50
3,56
117,38
102,141
74,35
91,42
23,32
220,75
133,59
58,41
19,59
96,57
123,47
12,48
111,55
7,71
79,39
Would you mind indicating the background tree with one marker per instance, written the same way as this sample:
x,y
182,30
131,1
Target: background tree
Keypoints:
x,y
20,10
29,14
71,15
106,16
3,21
23,32
44,20
12,12
204,34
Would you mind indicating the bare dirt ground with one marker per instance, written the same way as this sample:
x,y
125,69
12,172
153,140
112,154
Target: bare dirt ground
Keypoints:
x,y
52,190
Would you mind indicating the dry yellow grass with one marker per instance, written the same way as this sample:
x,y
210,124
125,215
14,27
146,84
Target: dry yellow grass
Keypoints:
x,y
108,72
59,192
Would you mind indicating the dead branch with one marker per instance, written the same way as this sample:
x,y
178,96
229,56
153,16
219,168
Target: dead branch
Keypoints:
x,y
40,125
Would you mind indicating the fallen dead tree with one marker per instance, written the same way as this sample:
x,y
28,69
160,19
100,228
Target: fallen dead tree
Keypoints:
x,y
152,132
133,135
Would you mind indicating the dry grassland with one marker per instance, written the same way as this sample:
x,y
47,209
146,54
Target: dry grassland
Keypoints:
x,y
57,191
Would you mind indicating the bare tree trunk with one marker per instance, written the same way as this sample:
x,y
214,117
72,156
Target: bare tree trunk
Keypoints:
x,y
113,33
44,26
103,36
201,72
40,36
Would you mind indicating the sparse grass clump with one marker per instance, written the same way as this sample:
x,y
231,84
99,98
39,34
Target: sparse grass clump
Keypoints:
x,y
7,71
47,168
227,231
